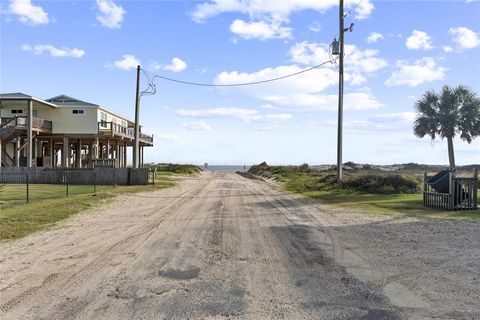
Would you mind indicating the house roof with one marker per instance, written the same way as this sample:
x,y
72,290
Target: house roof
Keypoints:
x,y
64,100
18,97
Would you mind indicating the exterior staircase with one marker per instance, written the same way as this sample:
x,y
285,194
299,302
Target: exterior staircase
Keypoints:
x,y
13,128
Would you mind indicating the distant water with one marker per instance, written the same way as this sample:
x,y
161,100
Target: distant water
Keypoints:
x,y
226,168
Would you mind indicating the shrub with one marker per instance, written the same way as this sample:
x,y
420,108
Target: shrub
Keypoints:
x,y
381,184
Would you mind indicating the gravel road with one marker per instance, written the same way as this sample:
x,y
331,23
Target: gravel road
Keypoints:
x,y
222,246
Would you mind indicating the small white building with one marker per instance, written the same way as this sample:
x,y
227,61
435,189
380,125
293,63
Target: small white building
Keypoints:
x,y
64,131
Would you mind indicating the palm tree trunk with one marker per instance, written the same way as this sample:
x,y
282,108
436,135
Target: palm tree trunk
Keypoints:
x,y
451,155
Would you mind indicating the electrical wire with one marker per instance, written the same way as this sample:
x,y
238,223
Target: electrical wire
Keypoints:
x,y
151,89
349,12
202,84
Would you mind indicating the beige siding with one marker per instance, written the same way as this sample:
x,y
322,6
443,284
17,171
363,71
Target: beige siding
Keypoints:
x,y
64,121
6,112
112,117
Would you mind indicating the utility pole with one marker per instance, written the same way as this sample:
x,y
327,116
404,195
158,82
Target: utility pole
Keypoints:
x,y
136,133
340,95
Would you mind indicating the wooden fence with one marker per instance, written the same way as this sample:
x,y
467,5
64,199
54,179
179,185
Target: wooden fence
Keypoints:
x,y
110,176
462,193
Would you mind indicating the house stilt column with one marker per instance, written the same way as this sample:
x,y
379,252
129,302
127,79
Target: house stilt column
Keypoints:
x,y
117,154
51,152
125,155
65,152
78,154
95,148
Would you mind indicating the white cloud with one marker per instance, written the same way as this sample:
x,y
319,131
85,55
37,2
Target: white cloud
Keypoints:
x,y
327,102
363,60
357,62
309,53
303,91
154,65
247,115
260,30
465,37
278,117
313,81
29,13
54,52
419,40
197,126
177,65
267,18
386,122
166,137
110,14
279,10
447,49
268,106
202,71
416,73
404,117
363,9
315,27
128,61
374,37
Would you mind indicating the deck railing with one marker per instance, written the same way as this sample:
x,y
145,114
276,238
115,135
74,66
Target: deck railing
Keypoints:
x,y
462,193
22,123
114,128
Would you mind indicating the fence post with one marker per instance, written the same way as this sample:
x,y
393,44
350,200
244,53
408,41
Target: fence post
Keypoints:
x,y
94,181
154,174
451,191
475,188
114,177
66,182
28,193
425,189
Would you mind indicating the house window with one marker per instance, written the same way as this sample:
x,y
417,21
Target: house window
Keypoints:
x,y
103,116
16,111
78,111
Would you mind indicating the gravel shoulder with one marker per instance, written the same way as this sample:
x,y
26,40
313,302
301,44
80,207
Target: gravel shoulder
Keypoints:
x,y
220,246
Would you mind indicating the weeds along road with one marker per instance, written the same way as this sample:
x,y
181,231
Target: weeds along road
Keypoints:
x,y
222,246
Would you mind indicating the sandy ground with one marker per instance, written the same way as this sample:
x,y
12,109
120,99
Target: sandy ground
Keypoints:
x,y
222,246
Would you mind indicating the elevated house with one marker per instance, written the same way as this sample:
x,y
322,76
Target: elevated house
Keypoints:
x,y
64,132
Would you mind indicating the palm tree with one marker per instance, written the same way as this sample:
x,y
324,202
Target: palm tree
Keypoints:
x,y
448,113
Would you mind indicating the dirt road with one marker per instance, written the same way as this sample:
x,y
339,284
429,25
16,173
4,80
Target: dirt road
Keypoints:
x,y
222,246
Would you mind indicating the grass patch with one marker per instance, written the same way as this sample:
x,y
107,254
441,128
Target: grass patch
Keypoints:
x,y
371,191
390,204
49,204
175,168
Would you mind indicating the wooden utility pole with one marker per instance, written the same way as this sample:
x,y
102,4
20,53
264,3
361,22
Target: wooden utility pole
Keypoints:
x,y
340,96
136,143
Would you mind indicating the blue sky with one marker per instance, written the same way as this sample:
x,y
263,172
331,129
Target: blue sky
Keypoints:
x,y
397,51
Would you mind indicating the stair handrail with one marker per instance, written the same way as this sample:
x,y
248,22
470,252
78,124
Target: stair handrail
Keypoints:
x,y
6,123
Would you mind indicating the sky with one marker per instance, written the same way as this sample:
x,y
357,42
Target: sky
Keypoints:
x,y
396,51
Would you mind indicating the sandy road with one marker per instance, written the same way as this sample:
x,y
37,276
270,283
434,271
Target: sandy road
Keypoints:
x,y
222,246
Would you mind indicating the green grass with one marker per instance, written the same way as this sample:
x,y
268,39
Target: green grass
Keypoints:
x,y
176,168
49,204
370,191
390,204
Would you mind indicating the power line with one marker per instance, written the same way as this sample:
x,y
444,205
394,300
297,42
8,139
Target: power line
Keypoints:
x,y
354,7
152,77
